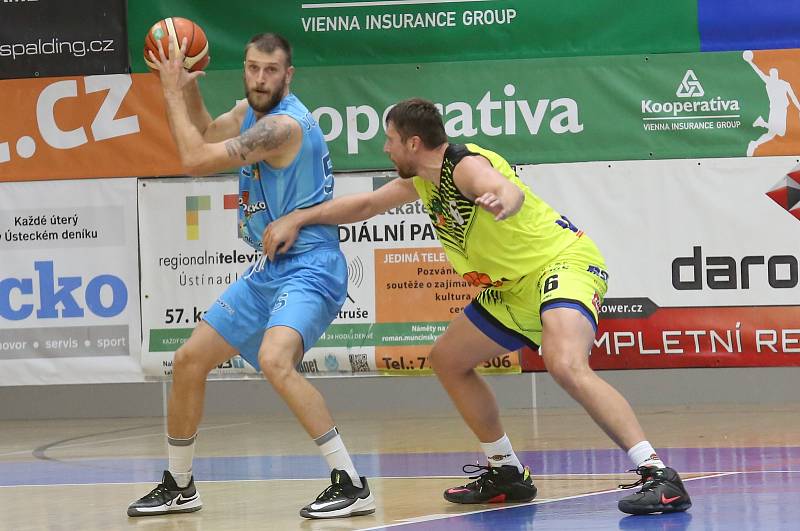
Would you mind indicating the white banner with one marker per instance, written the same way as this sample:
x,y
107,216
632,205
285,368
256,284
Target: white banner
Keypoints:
x,y
69,279
190,253
672,229
702,257
698,239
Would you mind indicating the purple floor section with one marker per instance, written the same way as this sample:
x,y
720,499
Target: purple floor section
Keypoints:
x,y
685,460
757,500
761,494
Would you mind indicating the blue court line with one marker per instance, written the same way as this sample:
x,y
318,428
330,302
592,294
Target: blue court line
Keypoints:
x,y
601,461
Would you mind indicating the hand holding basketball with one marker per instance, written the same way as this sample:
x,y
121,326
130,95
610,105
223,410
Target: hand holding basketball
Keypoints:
x,y
171,33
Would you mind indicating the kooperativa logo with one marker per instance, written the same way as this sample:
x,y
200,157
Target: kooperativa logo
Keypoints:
x,y
690,87
701,112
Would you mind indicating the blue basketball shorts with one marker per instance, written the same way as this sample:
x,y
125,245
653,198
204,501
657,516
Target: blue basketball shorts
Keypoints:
x,y
304,292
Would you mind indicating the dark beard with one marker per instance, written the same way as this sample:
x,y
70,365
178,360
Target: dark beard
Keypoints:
x,y
404,175
269,105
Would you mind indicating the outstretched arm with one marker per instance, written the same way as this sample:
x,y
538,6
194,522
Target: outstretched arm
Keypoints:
x,y
280,235
758,71
489,189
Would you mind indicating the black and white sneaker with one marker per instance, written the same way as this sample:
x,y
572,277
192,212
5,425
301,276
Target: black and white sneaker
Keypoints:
x,y
167,498
341,499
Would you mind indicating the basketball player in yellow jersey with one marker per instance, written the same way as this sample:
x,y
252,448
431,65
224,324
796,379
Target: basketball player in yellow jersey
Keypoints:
x,y
543,283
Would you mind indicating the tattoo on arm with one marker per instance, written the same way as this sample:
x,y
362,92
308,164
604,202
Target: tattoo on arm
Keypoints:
x,y
267,135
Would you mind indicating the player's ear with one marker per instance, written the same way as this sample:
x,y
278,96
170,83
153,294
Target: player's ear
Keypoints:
x,y
289,74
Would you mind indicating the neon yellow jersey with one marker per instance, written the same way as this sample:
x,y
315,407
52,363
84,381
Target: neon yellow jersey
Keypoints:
x,y
485,252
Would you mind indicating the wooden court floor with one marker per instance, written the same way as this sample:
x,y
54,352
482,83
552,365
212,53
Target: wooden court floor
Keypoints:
x,y
256,472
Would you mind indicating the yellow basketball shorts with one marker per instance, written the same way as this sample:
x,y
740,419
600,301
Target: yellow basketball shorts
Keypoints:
x,y
576,279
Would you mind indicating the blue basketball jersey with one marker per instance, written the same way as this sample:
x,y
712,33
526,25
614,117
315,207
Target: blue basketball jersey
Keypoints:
x,y
267,193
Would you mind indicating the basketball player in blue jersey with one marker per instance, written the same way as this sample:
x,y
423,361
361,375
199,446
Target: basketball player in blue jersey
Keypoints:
x,y
278,309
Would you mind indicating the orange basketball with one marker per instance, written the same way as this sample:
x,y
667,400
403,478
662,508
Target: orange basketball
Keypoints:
x,y
175,29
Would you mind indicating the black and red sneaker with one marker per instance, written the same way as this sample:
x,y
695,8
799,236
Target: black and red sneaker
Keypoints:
x,y
662,492
502,484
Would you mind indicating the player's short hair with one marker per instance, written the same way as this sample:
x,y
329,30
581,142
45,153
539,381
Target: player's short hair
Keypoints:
x,y
418,117
268,43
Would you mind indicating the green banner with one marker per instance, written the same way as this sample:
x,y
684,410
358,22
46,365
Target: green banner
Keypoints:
x,y
422,31
168,339
553,110
381,334
337,335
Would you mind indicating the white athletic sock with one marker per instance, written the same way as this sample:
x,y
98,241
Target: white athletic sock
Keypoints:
x,y
181,453
643,454
500,453
332,447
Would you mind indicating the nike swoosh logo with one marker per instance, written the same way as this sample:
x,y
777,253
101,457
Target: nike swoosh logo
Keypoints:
x,y
181,500
322,505
666,500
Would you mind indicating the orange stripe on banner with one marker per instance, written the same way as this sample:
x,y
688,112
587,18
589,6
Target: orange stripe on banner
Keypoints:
x,y
83,127
425,282
787,142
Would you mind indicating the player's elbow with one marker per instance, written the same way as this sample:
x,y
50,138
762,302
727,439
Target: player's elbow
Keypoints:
x,y
193,170
514,194
194,164
517,199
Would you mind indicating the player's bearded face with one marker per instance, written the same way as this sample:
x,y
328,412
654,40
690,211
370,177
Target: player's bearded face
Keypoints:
x,y
404,169
398,153
263,97
266,79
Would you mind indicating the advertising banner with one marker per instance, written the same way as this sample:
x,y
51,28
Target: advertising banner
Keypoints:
x,y
94,126
401,291
391,32
48,38
69,283
725,104
190,253
702,256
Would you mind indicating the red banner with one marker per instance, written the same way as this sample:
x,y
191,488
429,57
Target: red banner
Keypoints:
x,y
760,336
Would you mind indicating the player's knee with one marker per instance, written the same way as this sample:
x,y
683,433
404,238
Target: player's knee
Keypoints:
x,y
444,363
566,369
186,363
275,369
